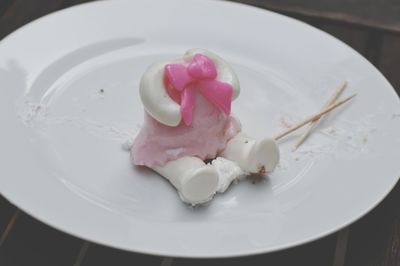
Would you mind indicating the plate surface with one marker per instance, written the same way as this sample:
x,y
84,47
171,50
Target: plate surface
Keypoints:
x,y
69,103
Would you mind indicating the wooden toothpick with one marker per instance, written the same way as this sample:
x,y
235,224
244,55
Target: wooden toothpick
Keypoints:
x,y
313,117
332,99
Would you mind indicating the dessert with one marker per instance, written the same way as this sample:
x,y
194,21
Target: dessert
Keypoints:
x,y
188,120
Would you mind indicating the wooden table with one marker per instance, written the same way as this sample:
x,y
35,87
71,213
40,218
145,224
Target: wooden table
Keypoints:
x,y
369,26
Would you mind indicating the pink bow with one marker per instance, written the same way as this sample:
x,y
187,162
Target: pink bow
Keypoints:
x,y
201,74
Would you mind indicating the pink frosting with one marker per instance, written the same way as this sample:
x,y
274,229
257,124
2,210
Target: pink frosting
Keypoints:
x,y
199,74
207,135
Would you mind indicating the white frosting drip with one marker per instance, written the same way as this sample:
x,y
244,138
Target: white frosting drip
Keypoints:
x,y
228,172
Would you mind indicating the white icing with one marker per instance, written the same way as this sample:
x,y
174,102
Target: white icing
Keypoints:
x,y
127,144
155,99
228,172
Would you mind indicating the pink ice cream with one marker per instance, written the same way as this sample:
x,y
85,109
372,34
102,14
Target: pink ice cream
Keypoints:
x,y
208,134
205,105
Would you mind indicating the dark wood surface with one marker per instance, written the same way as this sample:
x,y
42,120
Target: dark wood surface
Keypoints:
x,y
383,15
371,27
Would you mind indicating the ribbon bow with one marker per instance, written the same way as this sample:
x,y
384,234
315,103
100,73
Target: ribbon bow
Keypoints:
x,y
182,80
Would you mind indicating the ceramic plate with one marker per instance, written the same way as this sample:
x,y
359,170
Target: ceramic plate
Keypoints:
x,y
69,103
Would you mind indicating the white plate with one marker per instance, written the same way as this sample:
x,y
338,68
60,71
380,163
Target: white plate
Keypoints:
x,y
69,100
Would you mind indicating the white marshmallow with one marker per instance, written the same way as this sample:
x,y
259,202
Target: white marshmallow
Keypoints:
x,y
228,172
195,181
252,156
